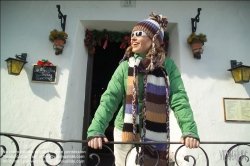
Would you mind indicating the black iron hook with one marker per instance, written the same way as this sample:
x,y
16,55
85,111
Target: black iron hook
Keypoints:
x,y
62,17
195,20
23,56
234,63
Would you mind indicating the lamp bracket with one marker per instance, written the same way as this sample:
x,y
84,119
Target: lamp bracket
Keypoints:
x,y
23,56
195,20
62,17
234,63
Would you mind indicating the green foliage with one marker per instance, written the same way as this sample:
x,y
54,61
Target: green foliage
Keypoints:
x,y
57,34
95,37
202,37
113,36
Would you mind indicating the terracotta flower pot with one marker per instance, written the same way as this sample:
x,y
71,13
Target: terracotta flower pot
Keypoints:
x,y
59,45
197,48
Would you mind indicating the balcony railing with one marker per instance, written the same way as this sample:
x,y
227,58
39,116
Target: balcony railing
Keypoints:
x,y
83,155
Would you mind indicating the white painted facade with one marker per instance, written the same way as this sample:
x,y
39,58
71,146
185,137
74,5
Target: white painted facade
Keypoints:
x,y
56,110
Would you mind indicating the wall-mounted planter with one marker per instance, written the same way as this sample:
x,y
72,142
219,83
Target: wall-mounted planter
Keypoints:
x,y
196,42
59,45
59,39
197,48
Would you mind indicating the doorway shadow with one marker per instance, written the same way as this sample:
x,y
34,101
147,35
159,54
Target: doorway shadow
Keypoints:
x,y
104,65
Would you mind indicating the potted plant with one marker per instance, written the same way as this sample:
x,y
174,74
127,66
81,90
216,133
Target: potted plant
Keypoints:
x,y
196,42
59,39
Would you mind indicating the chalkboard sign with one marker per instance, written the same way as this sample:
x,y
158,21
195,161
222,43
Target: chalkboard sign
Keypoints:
x,y
46,74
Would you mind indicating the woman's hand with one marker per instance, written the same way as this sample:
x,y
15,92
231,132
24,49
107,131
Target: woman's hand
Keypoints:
x,y
190,142
96,142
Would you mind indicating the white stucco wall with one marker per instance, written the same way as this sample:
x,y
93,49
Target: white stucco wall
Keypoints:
x,y
56,110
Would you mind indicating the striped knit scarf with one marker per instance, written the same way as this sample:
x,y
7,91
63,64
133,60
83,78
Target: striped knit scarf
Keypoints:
x,y
155,112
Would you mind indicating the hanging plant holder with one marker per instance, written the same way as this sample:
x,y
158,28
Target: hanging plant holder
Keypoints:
x,y
59,45
59,39
196,42
197,48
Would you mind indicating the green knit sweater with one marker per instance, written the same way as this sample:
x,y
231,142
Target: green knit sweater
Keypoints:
x,y
116,92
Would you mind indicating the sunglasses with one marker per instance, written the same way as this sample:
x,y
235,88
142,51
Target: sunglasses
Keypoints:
x,y
138,34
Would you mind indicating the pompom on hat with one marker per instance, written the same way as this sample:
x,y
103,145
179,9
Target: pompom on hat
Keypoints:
x,y
154,27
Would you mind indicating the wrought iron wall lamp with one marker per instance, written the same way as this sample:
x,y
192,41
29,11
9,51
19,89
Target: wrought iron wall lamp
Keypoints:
x,y
15,66
240,72
62,17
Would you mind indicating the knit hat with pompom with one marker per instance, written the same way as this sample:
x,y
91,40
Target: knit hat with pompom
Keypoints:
x,y
154,26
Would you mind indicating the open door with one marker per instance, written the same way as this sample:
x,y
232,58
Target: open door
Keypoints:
x,y
101,67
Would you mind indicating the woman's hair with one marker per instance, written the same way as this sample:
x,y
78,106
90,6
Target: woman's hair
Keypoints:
x,y
158,51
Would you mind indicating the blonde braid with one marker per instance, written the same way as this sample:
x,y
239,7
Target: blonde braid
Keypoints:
x,y
128,54
134,109
128,51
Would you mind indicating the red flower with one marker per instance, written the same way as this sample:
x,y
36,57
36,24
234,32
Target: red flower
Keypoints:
x,y
40,63
128,39
44,63
47,64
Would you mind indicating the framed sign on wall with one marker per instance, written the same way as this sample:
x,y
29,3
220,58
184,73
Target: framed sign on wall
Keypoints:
x,y
236,109
45,74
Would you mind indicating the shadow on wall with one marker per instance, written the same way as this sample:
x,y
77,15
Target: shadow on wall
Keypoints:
x,y
247,88
45,91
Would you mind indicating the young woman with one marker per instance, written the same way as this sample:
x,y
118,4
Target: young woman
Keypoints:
x,y
148,85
